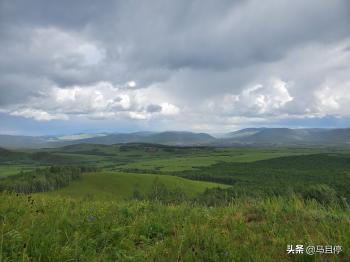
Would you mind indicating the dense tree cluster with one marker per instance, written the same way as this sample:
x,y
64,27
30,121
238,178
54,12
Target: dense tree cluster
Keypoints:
x,y
321,177
43,179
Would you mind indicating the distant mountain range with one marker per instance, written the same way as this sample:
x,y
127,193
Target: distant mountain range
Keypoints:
x,y
166,138
286,136
244,137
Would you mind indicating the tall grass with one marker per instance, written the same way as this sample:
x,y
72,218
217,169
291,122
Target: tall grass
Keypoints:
x,y
45,228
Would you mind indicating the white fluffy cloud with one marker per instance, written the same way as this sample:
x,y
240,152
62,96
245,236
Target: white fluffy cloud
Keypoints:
x,y
259,99
169,109
38,115
99,101
333,100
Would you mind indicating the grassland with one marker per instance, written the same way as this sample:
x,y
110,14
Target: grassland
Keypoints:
x,y
195,161
10,170
119,186
160,203
143,156
57,229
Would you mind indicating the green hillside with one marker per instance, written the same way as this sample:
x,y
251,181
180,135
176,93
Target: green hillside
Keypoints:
x,y
205,159
143,202
42,228
117,186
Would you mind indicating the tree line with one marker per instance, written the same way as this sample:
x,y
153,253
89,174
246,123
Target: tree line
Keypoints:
x,y
43,179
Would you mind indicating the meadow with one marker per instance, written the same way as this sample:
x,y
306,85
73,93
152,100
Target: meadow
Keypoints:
x,y
144,202
42,228
122,186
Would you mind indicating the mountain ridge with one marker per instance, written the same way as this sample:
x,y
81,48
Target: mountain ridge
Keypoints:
x,y
244,137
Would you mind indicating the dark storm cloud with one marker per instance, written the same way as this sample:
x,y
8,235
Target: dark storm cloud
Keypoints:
x,y
186,52
63,13
217,35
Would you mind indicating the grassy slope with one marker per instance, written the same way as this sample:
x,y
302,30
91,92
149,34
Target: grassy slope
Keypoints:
x,y
13,169
139,156
234,155
57,229
8,170
113,185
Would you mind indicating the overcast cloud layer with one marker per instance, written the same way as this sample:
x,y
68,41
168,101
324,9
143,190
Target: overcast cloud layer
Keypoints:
x,y
200,65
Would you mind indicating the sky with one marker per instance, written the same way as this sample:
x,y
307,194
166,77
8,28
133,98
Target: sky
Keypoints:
x,y
198,65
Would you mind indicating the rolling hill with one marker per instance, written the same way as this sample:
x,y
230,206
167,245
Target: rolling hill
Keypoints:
x,y
13,141
9,155
286,136
118,186
166,138
249,136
